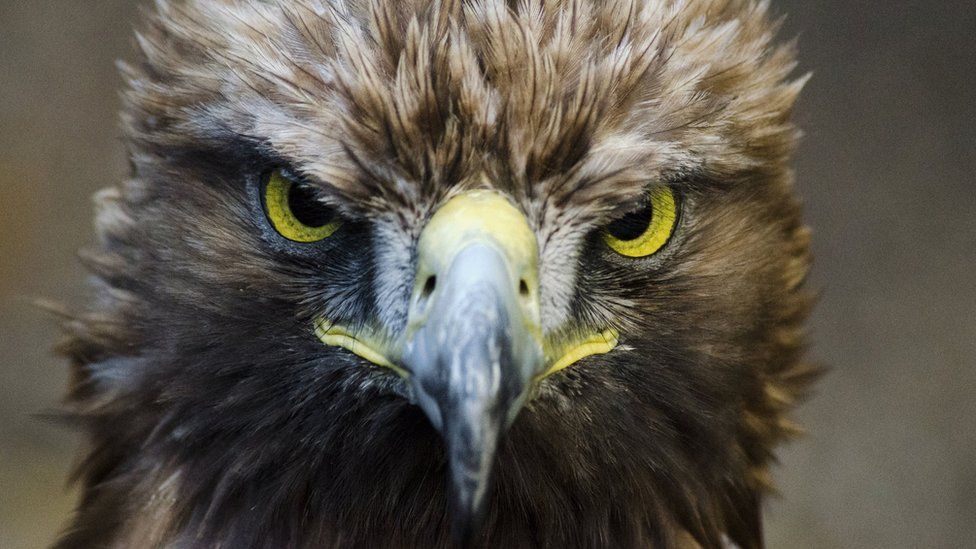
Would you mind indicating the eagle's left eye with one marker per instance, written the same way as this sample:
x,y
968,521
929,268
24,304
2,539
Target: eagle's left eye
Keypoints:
x,y
294,210
647,229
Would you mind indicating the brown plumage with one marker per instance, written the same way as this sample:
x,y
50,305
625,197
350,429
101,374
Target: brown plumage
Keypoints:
x,y
217,418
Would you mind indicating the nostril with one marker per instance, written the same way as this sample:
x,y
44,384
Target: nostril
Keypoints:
x,y
523,288
429,286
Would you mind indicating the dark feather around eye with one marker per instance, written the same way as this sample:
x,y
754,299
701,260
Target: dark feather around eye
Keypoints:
x,y
306,207
633,224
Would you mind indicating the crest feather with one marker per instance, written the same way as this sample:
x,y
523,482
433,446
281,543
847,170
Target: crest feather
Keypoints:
x,y
570,101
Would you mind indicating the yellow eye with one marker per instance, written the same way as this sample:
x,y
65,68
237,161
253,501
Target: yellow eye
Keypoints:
x,y
295,212
644,231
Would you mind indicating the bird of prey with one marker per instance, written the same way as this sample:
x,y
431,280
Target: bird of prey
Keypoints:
x,y
426,273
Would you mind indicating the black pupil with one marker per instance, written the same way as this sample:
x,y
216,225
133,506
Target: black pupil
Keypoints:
x,y
632,225
306,208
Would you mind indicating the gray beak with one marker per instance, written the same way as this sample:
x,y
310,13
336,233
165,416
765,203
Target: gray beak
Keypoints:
x,y
471,365
473,344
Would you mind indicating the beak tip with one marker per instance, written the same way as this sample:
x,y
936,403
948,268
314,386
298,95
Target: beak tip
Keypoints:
x,y
466,521
469,486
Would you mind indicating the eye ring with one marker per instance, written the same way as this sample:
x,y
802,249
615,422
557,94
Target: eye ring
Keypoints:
x,y
645,231
294,212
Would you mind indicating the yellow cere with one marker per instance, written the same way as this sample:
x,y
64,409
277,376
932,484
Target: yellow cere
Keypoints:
x,y
489,216
597,344
664,215
276,202
337,336
479,214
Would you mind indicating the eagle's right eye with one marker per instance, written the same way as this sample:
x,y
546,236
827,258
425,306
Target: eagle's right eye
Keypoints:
x,y
295,211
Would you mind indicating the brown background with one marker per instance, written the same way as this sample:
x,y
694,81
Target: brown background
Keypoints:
x,y
886,172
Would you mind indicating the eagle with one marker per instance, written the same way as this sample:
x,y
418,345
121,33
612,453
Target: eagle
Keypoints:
x,y
443,273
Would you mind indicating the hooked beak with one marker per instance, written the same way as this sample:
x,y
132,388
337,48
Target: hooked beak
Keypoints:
x,y
474,341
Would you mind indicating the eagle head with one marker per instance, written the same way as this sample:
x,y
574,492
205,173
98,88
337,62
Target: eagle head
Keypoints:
x,y
397,273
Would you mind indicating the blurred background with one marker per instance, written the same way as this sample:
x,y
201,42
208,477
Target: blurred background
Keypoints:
x,y
886,172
